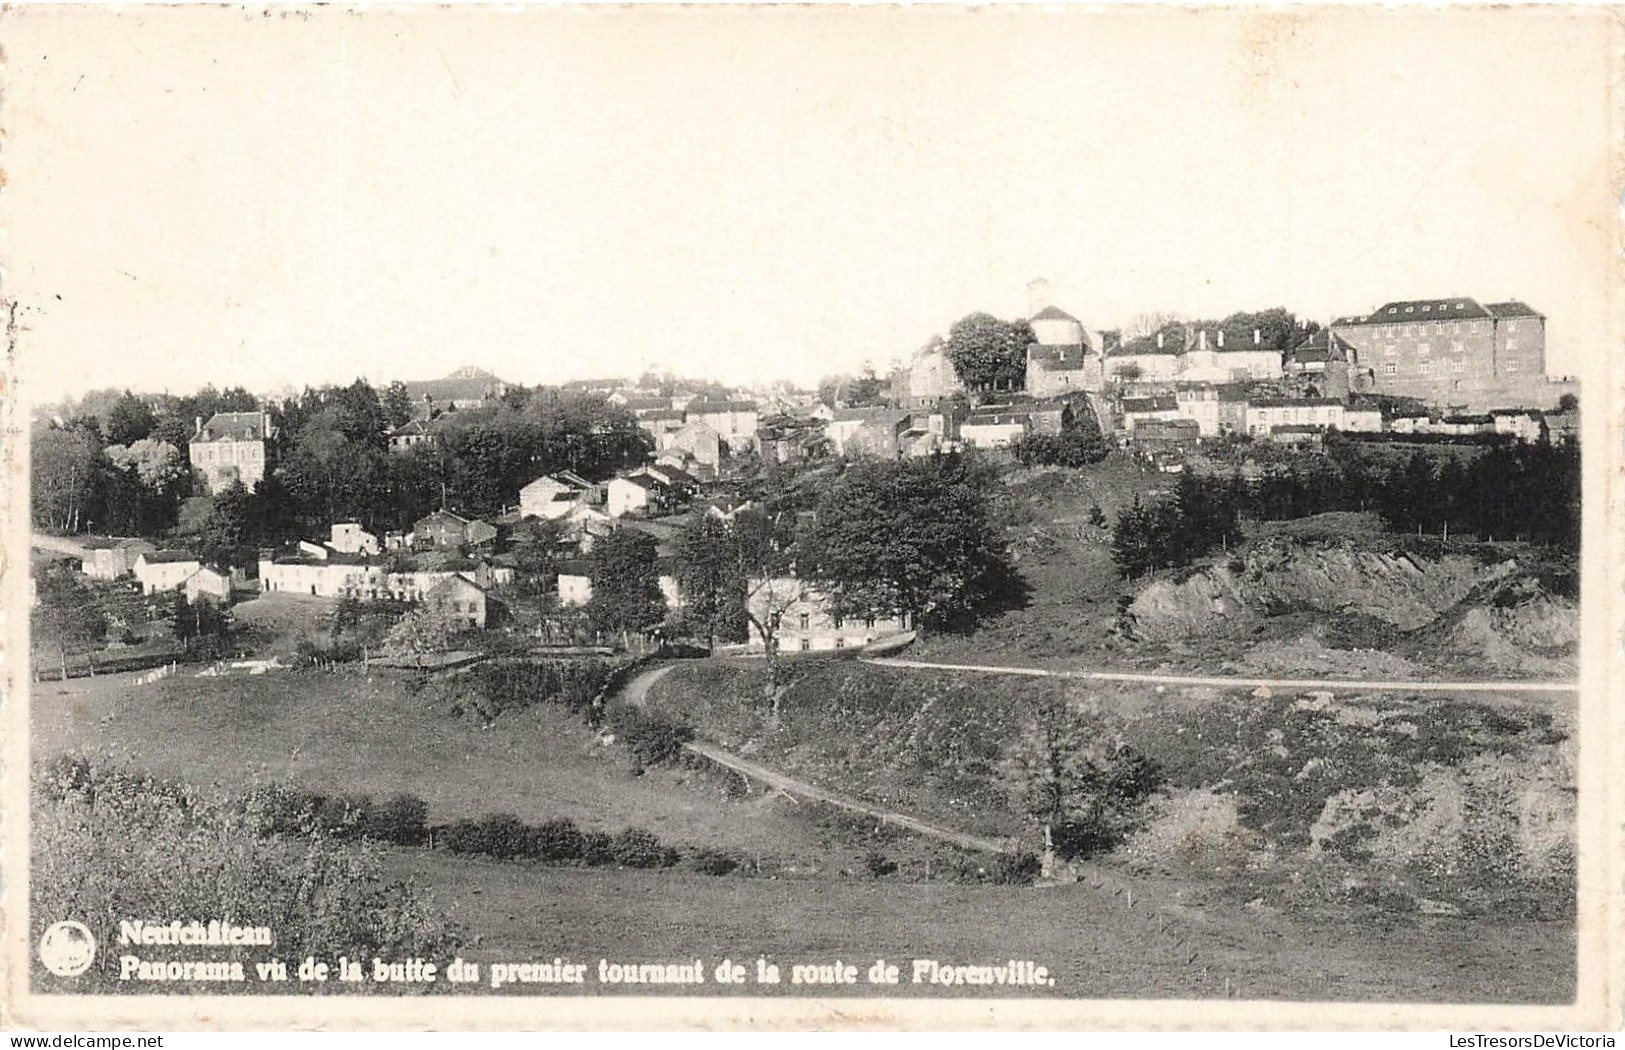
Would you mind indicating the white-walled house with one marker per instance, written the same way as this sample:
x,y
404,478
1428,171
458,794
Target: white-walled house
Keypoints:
x,y
164,570
805,621
208,583
350,538
548,498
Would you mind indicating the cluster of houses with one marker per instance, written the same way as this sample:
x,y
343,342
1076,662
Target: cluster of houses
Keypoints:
x,y
1458,360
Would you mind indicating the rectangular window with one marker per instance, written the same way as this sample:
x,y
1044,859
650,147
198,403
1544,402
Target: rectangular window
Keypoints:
x,y
1512,344
1424,368
1458,366
839,620
806,644
1458,347
840,643
806,621
1512,366
1423,348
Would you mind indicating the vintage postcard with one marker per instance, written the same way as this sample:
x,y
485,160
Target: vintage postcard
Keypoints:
x,y
811,516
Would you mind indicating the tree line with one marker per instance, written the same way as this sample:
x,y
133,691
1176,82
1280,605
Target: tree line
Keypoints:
x,y
119,465
1507,491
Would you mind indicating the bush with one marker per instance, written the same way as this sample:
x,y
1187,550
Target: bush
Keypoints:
x,y
505,836
636,848
652,739
559,840
708,861
125,844
402,820
513,685
597,848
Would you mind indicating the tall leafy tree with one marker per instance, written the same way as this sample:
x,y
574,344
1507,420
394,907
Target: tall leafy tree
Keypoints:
x,y
130,420
987,352
711,577
915,536
625,583
65,476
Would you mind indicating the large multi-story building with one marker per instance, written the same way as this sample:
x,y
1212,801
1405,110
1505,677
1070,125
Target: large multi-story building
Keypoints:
x,y
1064,357
1453,353
231,447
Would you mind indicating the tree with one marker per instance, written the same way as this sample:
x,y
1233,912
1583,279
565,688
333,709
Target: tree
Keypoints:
x,y
989,353
130,420
535,545
397,404
710,578
158,465
1081,780
225,531
1568,403
625,583
915,536
65,615
65,475
426,629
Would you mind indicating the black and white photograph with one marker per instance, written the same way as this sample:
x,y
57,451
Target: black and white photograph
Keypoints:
x,y
812,516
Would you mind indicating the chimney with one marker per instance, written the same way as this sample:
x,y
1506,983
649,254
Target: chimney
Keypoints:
x,y
1202,338
1255,337
1159,340
197,426
1221,339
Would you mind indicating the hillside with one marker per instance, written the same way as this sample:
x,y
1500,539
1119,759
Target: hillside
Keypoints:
x,y
1331,594
1284,798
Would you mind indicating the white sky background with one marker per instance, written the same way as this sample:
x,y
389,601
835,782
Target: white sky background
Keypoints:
x,y
217,196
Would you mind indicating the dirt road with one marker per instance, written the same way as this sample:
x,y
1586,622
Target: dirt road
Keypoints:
x,y
1225,682
637,690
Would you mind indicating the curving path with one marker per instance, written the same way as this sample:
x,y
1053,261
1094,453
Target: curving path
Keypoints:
x,y
637,689
1224,682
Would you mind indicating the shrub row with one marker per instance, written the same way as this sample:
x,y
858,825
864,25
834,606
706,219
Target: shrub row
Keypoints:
x,y
281,810
506,837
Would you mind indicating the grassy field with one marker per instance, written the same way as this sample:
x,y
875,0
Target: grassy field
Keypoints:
x,y
1191,947
340,733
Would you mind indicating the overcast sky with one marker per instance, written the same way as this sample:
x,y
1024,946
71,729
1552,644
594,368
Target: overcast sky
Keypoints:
x,y
209,195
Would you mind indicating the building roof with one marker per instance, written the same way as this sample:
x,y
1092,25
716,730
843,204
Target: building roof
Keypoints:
x,y
233,426
1295,402
1053,313
465,384
1174,341
1513,309
642,481
575,567
1162,403
455,582
443,515
718,407
411,428
882,414
1002,416
1401,311
167,557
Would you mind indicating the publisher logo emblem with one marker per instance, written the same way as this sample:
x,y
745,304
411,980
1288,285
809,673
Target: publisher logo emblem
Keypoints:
x,y
67,949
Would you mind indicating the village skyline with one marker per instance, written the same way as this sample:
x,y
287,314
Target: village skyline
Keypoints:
x,y
756,194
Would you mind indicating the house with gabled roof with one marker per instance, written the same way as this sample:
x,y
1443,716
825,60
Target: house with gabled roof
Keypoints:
x,y
1453,351
230,447
164,570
